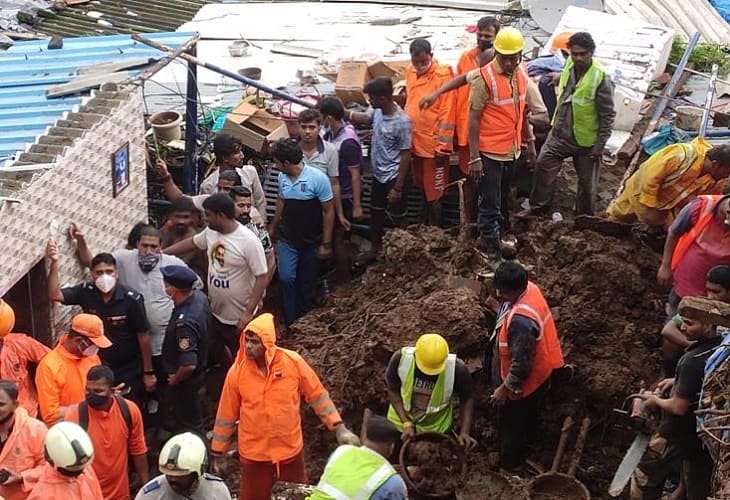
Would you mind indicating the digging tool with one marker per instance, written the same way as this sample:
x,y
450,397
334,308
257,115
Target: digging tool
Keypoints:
x,y
555,484
638,416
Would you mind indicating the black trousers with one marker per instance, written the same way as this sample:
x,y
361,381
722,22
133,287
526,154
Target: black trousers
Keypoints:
x,y
186,408
517,426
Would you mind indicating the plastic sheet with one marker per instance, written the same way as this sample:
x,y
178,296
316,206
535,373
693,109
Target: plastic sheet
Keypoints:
x,y
722,7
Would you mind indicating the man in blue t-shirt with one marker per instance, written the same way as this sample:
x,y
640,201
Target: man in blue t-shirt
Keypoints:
x,y
302,226
390,155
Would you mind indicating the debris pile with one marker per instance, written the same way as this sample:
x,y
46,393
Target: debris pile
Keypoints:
x,y
602,291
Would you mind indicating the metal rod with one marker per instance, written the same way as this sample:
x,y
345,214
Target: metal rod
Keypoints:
x,y
708,100
190,169
700,73
225,72
147,74
669,88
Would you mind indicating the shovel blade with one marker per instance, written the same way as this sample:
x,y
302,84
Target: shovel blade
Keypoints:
x,y
628,464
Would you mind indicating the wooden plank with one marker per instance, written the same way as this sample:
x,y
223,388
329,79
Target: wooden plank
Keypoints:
x,y
113,67
85,83
75,2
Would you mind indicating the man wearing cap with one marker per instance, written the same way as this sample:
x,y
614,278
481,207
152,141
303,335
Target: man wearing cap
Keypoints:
x,y
185,349
364,471
582,125
498,127
61,375
421,382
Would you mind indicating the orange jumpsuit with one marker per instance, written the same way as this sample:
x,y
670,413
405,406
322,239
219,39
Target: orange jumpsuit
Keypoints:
x,y
61,381
23,454
433,128
17,351
55,486
268,406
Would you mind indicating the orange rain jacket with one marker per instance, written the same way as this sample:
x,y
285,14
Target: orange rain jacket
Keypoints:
x,y
467,62
23,454
268,406
17,351
61,381
433,128
55,486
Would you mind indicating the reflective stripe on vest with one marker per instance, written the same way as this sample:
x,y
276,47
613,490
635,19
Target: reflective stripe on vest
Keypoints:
x,y
352,473
548,354
706,213
500,128
438,414
583,102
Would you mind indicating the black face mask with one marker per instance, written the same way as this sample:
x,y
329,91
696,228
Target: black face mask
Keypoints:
x,y
484,44
97,401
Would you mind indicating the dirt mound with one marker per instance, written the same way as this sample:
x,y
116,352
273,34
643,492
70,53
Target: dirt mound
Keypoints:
x,y
602,292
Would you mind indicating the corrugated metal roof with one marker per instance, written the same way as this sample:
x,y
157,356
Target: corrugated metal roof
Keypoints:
x,y
108,17
28,69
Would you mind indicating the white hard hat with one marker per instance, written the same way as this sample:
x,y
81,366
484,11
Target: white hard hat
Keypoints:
x,y
68,447
183,454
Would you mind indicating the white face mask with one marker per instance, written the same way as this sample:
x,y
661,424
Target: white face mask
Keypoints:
x,y
90,351
105,283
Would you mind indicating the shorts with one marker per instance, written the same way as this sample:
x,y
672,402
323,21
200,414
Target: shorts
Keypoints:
x,y
379,198
431,176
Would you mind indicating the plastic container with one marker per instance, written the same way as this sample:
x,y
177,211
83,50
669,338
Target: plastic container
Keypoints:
x,y
166,125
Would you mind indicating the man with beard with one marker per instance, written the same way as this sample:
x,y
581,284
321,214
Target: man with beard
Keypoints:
x,y
139,270
237,275
179,227
249,217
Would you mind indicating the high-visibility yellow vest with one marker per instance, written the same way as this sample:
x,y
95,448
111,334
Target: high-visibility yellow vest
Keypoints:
x,y
583,102
352,473
439,412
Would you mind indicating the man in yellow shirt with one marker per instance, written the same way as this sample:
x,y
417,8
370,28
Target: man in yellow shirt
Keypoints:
x,y
672,176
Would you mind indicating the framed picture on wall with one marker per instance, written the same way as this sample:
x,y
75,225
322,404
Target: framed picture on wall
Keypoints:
x,y
120,169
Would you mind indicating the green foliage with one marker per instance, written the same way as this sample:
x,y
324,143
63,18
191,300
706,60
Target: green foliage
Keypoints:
x,y
703,56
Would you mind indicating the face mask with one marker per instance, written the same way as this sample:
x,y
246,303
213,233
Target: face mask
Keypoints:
x,y
97,401
105,283
484,44
148,261
90,351
244,219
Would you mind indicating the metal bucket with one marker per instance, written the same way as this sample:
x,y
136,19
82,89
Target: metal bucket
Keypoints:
x,y
457,472
556,486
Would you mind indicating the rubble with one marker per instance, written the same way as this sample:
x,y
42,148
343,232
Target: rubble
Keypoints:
x,y
603,294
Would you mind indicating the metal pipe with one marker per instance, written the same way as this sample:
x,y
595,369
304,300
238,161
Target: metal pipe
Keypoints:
x,y
708,100
190,167
669,88
700,73
148,73
225,72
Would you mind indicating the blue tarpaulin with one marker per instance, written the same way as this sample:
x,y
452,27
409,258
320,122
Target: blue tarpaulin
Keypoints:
x,y
722,7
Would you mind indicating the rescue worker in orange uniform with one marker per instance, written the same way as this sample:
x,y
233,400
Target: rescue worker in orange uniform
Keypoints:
x,y
115,427
21,444
433,128
67,474
526,350
498,126
17,350
61,375
262,390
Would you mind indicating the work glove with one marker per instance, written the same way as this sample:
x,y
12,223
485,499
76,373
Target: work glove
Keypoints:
x,y
345,436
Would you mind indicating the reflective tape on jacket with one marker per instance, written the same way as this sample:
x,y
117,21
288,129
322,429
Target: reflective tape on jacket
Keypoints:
x,y
706,213
500,128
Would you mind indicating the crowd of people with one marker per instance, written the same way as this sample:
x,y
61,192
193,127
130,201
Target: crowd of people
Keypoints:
x,y
185,301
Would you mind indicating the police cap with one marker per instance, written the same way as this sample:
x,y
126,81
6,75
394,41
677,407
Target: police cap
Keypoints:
x,y
181,277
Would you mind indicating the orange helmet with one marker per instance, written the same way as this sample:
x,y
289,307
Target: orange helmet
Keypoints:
x,y
7,318
560,42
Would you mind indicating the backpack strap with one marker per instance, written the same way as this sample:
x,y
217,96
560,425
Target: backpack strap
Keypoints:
x,y
84,415
126,415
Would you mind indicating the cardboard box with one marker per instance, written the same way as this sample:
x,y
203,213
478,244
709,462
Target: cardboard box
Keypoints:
x,y
254,127
351,78
395,70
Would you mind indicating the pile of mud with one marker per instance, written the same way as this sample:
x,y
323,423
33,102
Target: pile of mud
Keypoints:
x,y
602,291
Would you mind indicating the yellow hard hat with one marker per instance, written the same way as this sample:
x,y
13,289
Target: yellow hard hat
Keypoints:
x,y
7,318
431,353
509,41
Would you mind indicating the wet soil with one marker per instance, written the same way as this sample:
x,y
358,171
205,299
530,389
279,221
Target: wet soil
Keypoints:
x,y
603,294
434,466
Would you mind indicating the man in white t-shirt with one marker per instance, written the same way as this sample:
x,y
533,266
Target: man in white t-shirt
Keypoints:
x,y
237,275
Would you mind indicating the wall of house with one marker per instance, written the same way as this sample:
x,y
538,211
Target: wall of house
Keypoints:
x,y
77,189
